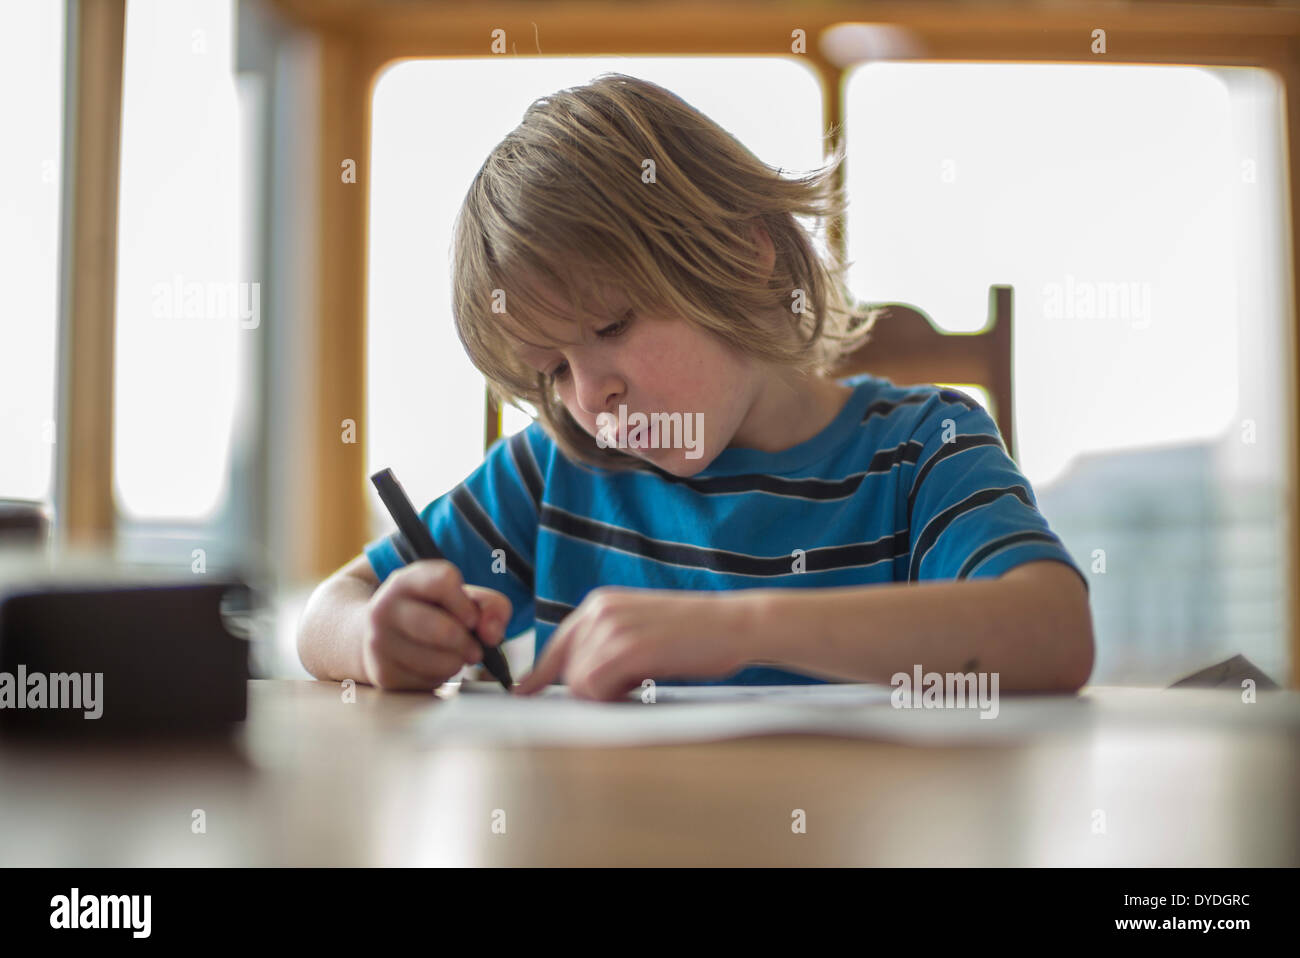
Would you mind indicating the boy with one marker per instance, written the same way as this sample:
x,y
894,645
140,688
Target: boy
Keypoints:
x,y
698,500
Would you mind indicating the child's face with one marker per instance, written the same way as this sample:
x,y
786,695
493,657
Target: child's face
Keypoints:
x,y
650,363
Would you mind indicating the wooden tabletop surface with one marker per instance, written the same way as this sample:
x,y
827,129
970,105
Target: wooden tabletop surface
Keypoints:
x,y
310,779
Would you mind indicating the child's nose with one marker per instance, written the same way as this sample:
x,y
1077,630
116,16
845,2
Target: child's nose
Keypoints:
x,y
597,392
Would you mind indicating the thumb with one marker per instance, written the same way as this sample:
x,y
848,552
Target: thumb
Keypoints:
x,y
494,612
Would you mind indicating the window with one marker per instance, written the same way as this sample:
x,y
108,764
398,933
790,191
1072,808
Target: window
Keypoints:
x,y
31,62
183,304
1138,213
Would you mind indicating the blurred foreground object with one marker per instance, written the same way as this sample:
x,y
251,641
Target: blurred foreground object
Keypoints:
x,y
118,651
23,524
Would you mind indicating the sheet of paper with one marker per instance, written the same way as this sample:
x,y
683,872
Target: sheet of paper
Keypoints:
x,y
483,713
833,694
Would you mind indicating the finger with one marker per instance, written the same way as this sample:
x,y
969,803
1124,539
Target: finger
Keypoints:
x,y
394,677
440,582
549,666
432,666
609,679
494,613
434,627
417,666
605,669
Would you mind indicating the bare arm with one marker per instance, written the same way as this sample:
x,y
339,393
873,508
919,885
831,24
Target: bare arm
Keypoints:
x,y
1032,625
334,622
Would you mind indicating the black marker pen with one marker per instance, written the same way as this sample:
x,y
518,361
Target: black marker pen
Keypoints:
x,y
417,536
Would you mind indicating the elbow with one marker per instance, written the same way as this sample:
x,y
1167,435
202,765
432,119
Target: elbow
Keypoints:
x,y
306,639
1078,657
305,652
1075,642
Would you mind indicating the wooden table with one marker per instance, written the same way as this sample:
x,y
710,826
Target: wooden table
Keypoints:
x,y
311,780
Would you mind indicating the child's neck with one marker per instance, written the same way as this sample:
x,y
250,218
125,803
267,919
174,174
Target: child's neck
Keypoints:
x,y
790,409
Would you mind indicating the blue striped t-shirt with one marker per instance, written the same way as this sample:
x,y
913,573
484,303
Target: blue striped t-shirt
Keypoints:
x,y
906,484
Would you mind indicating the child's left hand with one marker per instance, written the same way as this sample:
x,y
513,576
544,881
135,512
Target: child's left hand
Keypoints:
x,y
617,637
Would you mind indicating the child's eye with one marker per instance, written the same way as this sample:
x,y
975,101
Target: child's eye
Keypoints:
x,y
609,332
615,328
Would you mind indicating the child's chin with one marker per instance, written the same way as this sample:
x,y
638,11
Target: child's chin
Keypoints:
x,y
673,461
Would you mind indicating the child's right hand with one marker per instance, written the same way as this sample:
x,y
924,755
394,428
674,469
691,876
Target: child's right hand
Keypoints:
x,y
418,622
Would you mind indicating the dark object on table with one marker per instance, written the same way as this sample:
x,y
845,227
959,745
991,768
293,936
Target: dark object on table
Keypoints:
x,y
166,660
1227,674
23,524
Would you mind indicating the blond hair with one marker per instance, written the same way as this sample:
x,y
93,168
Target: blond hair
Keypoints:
x,y
621,182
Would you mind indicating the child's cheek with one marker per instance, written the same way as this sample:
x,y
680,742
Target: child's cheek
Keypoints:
x,y
583,418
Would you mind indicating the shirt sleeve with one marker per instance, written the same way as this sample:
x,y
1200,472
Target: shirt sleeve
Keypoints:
x,y
971,513
487,525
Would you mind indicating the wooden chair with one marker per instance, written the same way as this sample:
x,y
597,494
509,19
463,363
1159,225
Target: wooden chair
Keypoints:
x,y
906,348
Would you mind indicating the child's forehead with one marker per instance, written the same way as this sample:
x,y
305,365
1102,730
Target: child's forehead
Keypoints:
x,y
525,340
556,324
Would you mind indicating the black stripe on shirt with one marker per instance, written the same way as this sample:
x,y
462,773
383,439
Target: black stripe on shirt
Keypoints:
x,y
1014,539
960,443
936,527
886,406
529,474
883,407
551,613
481,523
953,395
407,555
824,559
822,490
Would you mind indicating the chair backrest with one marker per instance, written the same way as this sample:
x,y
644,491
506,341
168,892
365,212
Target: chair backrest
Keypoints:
x,y
908,349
